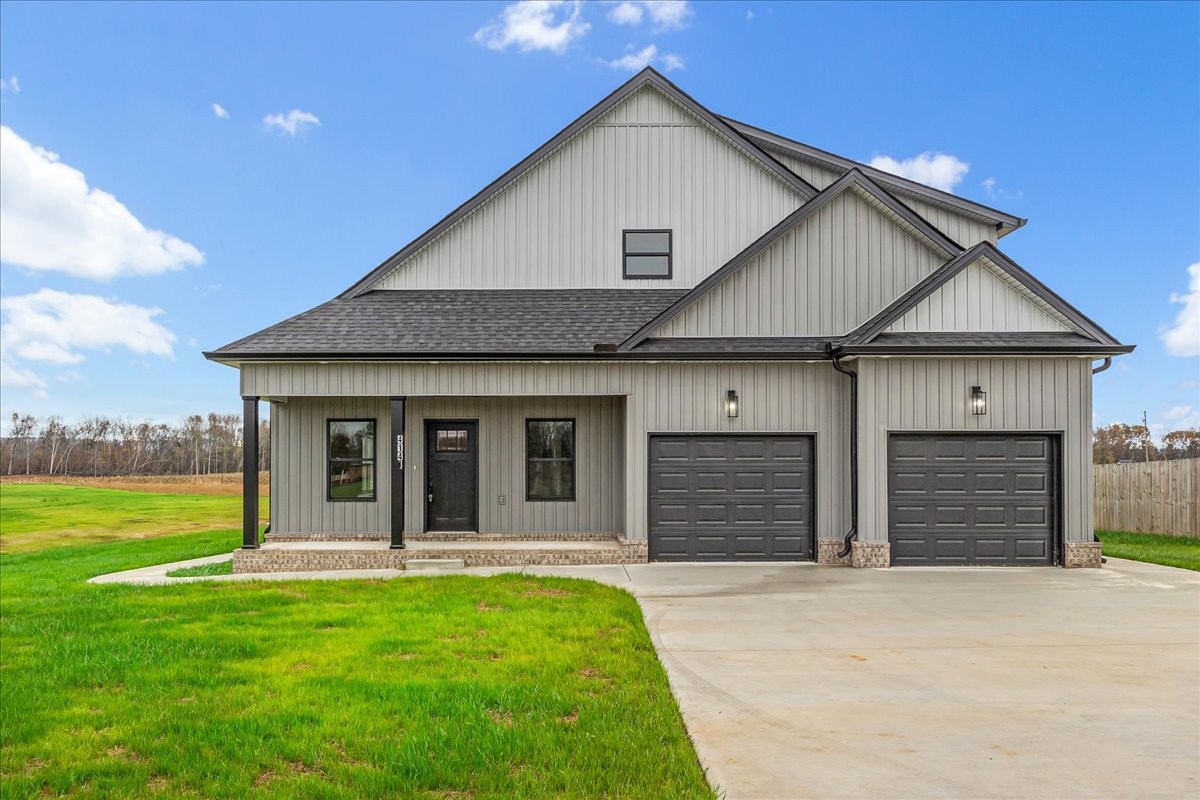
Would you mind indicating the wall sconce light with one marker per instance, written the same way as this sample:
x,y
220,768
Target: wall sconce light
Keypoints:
x,y
978,401
731,404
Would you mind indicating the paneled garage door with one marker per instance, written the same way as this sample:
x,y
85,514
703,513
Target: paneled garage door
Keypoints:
x,y
972,499
731,498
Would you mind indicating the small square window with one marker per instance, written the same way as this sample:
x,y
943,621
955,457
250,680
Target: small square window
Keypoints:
x,y
646,254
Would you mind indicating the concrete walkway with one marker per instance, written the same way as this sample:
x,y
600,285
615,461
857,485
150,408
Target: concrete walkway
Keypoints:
x,y
157,575
799,681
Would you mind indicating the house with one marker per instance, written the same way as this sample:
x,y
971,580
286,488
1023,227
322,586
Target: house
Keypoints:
x,y
701,341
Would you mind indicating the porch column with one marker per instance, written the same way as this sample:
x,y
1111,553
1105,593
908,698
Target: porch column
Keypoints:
x,y
397,459
249,473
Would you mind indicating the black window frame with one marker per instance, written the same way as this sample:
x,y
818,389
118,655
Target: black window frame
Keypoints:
x,y
330,460
529,462
625,254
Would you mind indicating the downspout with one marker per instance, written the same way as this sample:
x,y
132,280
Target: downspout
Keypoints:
x,y
851,534
1096,371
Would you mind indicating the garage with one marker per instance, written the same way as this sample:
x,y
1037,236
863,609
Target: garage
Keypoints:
x,y
958,499
720,497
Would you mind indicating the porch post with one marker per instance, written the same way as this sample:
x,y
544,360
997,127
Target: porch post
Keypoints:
x,y
397,459
249,473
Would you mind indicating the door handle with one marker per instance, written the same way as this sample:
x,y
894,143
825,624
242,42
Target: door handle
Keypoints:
x,y
430,495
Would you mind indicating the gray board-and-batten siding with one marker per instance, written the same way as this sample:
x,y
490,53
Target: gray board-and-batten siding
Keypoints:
x,y
623,403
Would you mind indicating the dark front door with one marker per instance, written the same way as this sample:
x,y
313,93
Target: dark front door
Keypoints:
x,y
452,475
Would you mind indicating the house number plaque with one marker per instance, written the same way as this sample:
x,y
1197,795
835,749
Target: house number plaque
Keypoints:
x,y
400,450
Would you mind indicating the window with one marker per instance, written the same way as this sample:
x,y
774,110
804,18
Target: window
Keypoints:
x,y
549,459
451,442
351,448
647,254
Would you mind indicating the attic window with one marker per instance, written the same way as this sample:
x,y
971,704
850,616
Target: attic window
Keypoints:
x,y
647,254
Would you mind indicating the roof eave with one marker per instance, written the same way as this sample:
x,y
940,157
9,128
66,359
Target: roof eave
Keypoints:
x,y
987,349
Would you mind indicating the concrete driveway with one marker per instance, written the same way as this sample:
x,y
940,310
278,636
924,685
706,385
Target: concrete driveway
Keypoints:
x,y
799,681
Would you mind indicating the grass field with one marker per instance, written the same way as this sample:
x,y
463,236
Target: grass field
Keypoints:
x,y
1170,551
38,515
455,687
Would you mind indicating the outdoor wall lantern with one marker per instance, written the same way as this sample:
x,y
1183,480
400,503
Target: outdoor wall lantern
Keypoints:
x,y
731,404
978,401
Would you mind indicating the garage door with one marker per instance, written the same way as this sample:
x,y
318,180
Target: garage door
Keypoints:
x,y
972,499
731,498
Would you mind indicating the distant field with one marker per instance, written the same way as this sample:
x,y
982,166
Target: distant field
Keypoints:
x,y
36,515
222,483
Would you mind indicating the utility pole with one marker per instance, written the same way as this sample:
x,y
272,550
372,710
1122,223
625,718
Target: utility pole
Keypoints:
x,y
1146,441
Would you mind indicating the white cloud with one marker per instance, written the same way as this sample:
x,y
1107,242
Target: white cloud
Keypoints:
x,y
292,122
992,187
15,378
1181,417
1182,337
939,170
635,61
54,221
668,14
535,25
626,14
672,62
10,85
220,112
749,15
52,327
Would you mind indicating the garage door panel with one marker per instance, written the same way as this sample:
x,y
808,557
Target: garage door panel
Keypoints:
x,y
730,497
967,498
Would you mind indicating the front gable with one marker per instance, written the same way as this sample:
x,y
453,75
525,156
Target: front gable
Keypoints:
x,y
650,159
842,259
981,298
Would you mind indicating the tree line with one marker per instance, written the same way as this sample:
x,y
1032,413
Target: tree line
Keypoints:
x,y
112,446
1118,442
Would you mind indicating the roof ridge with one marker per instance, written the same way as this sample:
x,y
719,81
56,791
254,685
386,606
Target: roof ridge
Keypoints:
x,y
805,150
647,77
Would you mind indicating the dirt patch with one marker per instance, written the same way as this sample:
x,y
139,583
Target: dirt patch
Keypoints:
x,y
157,783
301,666
33,765
503,718
264,778
300,768
546,592
125,754
604,633
591,673
570,719
400,656
485,607
187,700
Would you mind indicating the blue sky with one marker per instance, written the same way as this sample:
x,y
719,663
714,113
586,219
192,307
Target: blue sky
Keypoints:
x,y
1083,118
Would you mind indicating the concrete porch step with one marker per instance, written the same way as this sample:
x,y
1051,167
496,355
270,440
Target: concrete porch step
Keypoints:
x,y
436,564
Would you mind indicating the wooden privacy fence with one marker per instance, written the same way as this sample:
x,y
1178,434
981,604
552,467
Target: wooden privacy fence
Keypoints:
x,y
1159,497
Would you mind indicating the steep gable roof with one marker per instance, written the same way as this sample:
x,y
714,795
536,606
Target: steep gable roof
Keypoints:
x,y
1004,222
873,328
648,77
852,180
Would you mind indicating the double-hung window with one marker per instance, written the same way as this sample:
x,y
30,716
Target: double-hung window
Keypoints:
x,y
549,459
647,254
351,449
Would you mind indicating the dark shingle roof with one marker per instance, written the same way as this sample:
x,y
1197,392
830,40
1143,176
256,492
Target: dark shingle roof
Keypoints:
x,y
434,321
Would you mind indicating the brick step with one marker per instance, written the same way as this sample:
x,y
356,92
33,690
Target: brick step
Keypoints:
x,y
313,557
446,536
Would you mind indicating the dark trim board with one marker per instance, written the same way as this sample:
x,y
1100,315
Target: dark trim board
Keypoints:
x,y
1056,466
810,436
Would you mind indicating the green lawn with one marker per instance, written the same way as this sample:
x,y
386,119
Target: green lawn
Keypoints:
x,y
37,515
1170,551
463,687
215,568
